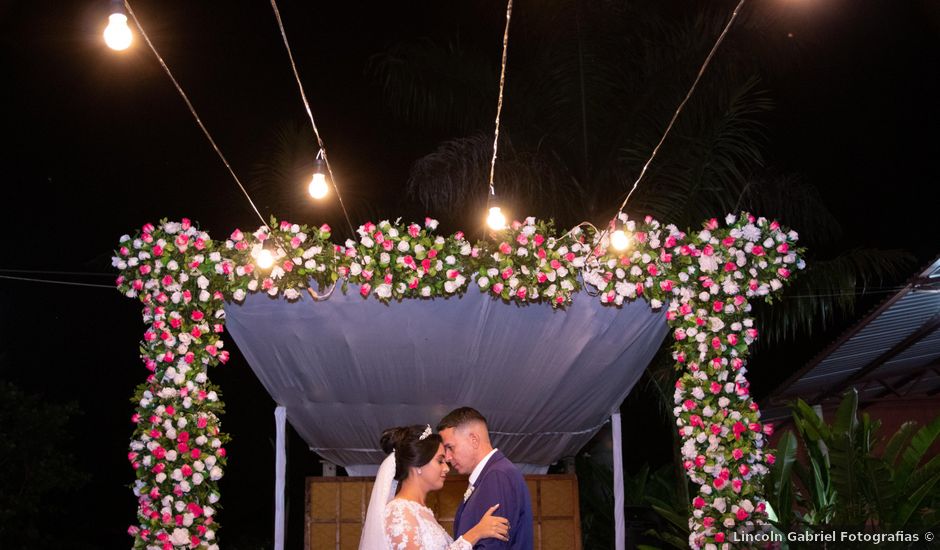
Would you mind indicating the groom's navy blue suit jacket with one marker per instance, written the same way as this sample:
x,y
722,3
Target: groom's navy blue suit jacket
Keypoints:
x,y
501,483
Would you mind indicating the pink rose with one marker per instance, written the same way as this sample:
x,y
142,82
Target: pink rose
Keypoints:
x,y
741,514
737,454
365,289
538,239
698,502
497,288
522,239
414,230
521,293
504,248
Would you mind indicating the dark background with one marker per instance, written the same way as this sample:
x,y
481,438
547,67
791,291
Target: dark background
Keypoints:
x,y
98,143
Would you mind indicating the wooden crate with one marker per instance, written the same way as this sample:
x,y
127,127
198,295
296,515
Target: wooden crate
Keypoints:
x,y
336,509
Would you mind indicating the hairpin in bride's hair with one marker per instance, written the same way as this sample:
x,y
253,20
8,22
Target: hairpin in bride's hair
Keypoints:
x,y
425,434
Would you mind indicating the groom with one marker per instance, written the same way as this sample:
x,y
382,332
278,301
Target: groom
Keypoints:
x,y
493,480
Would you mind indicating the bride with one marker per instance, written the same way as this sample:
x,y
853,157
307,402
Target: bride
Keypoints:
x,y
416,459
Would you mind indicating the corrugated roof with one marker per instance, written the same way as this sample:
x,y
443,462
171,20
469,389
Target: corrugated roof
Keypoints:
x,y
894,351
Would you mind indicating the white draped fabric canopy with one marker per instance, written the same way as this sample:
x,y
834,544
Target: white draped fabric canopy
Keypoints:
x,y
345,368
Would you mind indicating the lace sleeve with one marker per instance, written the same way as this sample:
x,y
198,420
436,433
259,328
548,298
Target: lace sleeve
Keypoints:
x,y
401,527
460,544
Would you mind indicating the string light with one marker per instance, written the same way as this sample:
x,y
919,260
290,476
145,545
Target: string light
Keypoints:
x,y
496,219
314,182
672,121
620,240
265,257
117,35
318,187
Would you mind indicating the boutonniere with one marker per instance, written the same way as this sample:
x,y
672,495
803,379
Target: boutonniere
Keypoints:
x,y
467,493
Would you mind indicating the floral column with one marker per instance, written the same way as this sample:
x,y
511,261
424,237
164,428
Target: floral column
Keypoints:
x,y
177,448
706,280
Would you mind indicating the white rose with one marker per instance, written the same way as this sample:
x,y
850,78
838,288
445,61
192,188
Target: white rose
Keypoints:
x,y
383,291
180,537
204,296
403,246
426,291
161,477
215,474
384,258
292,293
198,478
483,282
253,285
522,251
367,242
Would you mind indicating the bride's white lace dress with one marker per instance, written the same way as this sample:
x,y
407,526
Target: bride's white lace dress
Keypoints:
x,y
411,526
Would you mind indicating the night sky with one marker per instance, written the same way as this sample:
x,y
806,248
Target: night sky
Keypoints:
x,y
99,143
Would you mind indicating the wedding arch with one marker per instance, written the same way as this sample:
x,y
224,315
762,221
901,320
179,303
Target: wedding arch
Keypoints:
x,y
703,280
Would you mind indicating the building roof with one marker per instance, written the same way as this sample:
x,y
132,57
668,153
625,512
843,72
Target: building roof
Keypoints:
x,y
893,353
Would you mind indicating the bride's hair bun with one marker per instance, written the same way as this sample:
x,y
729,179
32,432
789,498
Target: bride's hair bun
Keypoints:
x,y
392,438
412,445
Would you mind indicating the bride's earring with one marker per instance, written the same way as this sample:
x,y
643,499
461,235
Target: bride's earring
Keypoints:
x,y
419,471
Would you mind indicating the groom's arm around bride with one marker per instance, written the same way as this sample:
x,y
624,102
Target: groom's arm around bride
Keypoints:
x,y
493,480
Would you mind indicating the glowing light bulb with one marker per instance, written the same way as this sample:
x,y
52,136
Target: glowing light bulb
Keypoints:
x,y
318,188
496,220
620,240
265,259
118,35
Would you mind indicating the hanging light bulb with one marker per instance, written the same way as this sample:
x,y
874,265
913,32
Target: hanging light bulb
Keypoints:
x,y
496,220
265,259
318,187
118,35
620,240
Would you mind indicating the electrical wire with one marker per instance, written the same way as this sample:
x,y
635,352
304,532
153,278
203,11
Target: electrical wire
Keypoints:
x,y
192,110
53,281
303,96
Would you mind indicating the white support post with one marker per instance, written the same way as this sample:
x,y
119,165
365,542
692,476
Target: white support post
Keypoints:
x,y
620,525
280,468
